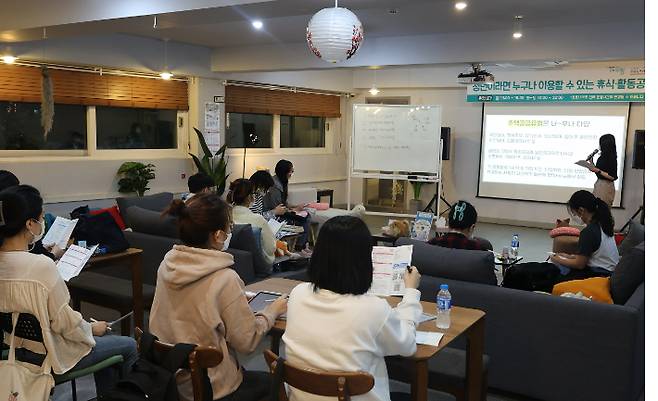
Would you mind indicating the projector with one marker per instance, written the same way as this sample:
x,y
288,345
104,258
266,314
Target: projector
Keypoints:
x,y
476,74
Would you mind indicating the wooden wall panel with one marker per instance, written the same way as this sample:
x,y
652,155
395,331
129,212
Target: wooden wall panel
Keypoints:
x,y
241,99
23,84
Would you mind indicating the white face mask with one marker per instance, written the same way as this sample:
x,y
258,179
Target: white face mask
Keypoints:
x,y
227,242
577,220
37,237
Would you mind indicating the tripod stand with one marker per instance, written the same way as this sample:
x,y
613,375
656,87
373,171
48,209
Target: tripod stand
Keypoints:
x,y
435,201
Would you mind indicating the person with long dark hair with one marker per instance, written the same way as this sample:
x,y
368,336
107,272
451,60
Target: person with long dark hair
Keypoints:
x,y
277,196
597,251
30,283
262,182
606,169
334,324
200,299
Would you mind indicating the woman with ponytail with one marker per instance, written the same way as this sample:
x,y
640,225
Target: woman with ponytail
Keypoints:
x,y
30,283
597,250
241,196
200,300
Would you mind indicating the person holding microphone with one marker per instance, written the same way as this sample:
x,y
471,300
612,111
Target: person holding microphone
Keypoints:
x,y
605,169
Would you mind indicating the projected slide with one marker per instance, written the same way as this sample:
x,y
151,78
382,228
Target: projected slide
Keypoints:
x,y
531,155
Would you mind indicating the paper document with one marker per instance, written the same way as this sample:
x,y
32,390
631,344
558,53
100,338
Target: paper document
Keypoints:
x,y
426,317
275,226
420,229
74,259
388,266
586,164
428,338
60,232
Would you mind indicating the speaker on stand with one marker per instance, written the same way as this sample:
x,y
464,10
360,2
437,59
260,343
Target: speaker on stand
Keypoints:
x,y
445,155
638,164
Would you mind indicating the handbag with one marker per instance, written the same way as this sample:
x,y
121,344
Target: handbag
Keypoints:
x,y
17,382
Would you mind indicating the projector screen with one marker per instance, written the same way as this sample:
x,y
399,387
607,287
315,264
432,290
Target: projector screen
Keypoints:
x,y
528,152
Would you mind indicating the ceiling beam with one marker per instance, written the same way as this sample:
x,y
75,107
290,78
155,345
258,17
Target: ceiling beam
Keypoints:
x,y
26,14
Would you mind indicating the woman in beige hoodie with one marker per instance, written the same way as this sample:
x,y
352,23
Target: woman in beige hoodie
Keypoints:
x,y
199,299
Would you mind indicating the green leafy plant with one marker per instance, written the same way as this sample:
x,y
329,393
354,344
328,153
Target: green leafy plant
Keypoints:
x,y
417,185
214,165
135,177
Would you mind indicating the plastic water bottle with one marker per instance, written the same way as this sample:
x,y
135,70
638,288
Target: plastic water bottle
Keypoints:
x,y
101,250
515,246
443,305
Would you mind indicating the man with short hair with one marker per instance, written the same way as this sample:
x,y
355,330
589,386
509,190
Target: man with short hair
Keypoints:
x,y
199,183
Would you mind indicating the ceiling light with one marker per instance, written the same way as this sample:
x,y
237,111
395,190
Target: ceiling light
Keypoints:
x,y
8,59
518,27
374,91
258,24
460,5
166,75
334,34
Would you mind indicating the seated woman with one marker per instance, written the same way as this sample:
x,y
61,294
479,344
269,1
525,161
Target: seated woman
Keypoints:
x,y
320,330
199,299
461,222
597,251
30,283
277,196
241,196
262,182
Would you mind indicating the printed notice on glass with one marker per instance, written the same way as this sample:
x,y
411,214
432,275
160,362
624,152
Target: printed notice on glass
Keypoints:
x,y
388,266
73,260
211,116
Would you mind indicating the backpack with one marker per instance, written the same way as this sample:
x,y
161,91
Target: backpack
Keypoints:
x,y
533,276
153,377
100,229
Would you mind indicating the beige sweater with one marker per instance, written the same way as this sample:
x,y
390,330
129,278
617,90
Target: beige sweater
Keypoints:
x,y
30,283
242,215
200,300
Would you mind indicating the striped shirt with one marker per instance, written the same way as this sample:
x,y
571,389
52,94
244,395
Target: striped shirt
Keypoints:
x,y
257,207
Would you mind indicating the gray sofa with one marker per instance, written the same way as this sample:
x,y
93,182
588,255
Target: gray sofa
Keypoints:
x,y
542,346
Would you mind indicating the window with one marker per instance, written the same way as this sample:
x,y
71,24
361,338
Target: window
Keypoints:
x,y
20,127
242,127
127,128
302,132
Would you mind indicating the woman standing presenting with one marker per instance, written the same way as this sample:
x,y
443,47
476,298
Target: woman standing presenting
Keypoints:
x,y
606,169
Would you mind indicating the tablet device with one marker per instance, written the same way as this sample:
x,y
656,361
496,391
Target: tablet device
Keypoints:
x,y
262,300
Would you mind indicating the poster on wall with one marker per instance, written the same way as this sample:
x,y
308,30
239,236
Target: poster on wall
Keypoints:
x,y
211,116
625,83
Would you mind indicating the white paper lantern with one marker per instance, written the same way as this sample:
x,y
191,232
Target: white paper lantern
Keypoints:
x,y
334,34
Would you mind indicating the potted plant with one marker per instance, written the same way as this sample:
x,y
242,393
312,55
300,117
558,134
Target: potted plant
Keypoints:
x,y
213,165
135,177
416,203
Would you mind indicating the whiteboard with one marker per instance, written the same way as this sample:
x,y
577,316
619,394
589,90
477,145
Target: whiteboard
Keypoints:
x,y
396,138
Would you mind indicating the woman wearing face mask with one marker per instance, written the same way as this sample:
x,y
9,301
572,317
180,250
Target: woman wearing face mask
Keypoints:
x,y
200,300
597,251
606,169
277,196
30,283
242,198
461,222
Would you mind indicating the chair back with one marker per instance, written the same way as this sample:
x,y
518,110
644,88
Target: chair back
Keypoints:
x,y
342,385
199,361
27,326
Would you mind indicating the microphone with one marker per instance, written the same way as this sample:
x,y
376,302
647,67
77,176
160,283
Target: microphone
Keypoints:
x,y
591,155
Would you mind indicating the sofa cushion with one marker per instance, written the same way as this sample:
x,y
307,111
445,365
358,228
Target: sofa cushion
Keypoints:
x,y
595,288
456,264
628,275
571,231
156,202
152,222
243,239
634,237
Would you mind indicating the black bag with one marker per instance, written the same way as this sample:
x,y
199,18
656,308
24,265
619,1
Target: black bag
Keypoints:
x,y
101,230
533,276
292,265
153,377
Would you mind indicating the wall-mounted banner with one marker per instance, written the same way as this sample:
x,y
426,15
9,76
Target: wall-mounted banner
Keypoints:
x,y
612,84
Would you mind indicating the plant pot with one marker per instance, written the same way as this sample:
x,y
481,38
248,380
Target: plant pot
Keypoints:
x,y
415,205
